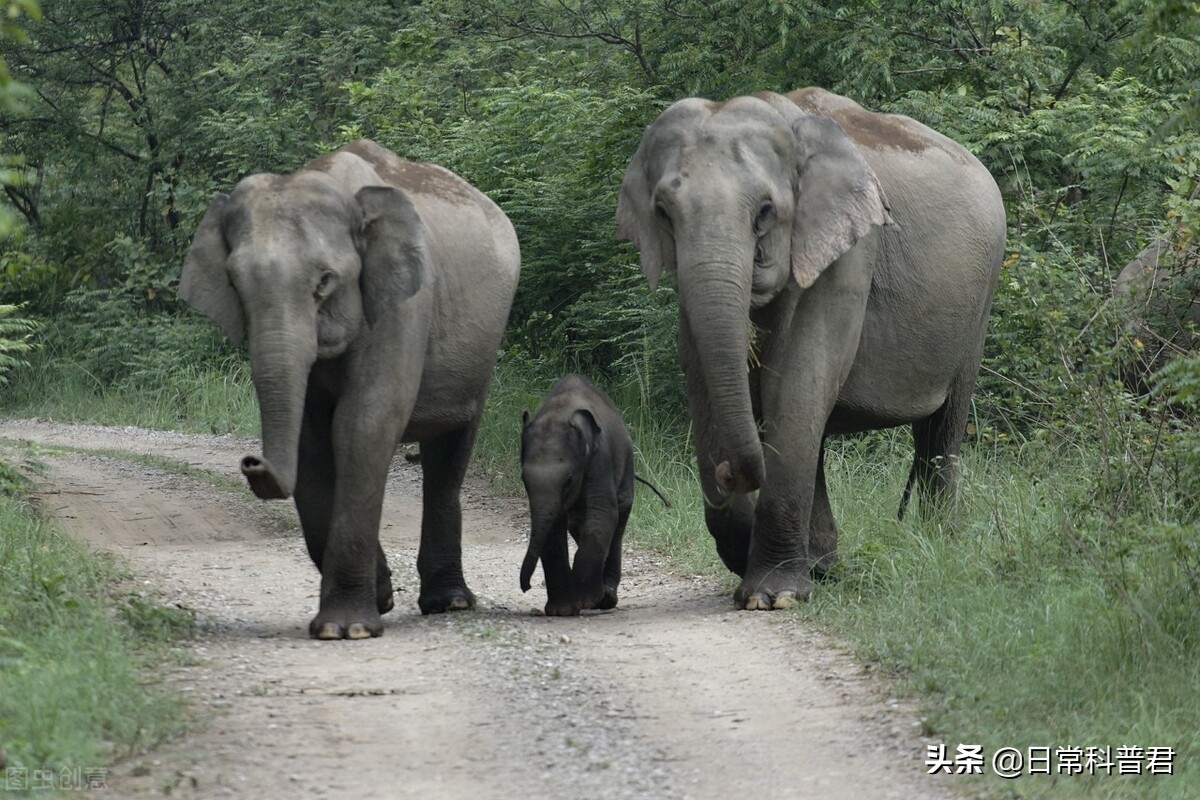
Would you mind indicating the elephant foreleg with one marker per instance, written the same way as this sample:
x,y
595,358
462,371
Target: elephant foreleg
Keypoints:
x,y
595,540
776,570
556,567
315,478
439,561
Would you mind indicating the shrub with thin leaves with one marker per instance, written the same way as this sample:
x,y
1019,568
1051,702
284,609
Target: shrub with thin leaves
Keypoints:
x,y
15,345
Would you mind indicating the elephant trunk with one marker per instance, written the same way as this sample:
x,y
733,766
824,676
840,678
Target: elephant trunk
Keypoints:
x,y
543,523
280,364
715,298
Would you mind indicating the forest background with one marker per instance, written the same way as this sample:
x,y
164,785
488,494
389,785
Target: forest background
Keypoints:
x,y
1059,605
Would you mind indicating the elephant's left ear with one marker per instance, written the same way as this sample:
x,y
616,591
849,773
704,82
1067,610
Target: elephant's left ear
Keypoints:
x,y
839,199
395,250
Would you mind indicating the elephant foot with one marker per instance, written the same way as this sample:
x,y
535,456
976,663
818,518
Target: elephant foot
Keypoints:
x,y
384,597
609,600
772,595
385,603
825,567
457,598
562,608
332,625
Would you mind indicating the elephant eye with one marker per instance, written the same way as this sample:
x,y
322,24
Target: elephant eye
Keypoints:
x,y
324,284
765,212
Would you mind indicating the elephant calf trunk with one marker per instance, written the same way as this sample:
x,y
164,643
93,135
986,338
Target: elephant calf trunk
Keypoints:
x,y
264,481
531,558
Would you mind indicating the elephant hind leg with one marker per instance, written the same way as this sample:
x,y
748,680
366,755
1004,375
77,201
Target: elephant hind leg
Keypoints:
x,y
730,525
612,564
439,560
937,440
822,530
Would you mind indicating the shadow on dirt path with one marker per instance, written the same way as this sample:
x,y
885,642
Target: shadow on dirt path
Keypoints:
x,y
672,695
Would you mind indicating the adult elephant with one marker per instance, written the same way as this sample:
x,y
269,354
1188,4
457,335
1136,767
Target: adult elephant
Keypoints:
x,y
835,271
374,292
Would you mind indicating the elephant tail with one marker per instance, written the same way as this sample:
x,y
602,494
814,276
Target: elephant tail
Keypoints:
x,y
653,488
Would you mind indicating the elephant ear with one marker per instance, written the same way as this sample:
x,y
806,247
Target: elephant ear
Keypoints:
x,y
394,246
204,281
636,221
839,198
584,421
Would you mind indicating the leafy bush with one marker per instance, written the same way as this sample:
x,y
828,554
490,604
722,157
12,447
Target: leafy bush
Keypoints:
x,y
15,344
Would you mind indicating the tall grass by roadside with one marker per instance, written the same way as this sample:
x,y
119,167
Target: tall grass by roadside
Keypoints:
x,y
77,658
191,397
1013,623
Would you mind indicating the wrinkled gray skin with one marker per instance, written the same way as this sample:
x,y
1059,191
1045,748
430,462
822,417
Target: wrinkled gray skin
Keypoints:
x,y
374,292
863,250
577,466
1157,293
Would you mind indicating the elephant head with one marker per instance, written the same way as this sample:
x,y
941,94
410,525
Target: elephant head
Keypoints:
x,y
742,199
555,454
301,265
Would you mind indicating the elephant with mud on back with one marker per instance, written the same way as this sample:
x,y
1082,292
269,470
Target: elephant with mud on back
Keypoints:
x,y
835,271
374,292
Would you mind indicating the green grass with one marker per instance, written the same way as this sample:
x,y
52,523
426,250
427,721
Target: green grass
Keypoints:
x,y
186,396
78,653
1058,606
1015,627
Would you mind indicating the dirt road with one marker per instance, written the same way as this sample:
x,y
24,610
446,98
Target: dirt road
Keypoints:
x,y
671,695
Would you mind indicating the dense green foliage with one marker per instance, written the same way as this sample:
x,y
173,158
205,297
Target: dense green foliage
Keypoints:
x,y
1078,559
141,111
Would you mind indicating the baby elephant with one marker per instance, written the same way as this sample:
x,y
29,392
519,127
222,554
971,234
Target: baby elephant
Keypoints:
x,y
577,465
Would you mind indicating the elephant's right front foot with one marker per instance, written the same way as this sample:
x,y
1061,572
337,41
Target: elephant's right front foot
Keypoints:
x,y
332,624
772,593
